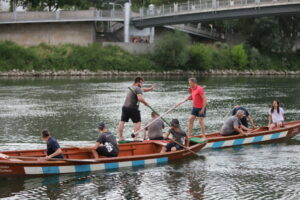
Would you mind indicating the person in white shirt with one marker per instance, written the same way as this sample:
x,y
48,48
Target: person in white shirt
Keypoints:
x,y
276,115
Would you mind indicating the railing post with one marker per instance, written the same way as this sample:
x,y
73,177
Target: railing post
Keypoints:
x,y
163,9
97,14
15,15
57,15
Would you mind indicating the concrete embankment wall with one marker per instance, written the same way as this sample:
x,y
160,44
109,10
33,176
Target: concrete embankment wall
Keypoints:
x,y
82,33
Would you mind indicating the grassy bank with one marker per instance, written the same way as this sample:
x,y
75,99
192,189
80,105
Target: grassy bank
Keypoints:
x,y
67,56
166,56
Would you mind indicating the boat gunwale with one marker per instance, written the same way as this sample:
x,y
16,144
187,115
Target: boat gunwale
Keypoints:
x,y
103,160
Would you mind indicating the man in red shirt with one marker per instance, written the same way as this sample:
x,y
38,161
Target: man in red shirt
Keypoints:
x,y
199,106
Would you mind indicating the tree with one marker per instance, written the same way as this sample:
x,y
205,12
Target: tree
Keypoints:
x,y
171,49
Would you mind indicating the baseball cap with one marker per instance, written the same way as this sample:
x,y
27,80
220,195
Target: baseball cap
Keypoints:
x,y
101,125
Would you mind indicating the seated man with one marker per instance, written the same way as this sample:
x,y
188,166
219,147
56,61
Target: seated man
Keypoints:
x,y
53,148
177,134
233,125
154,131
106,144
244,120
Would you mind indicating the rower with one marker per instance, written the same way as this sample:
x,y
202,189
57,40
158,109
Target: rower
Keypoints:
x,y
244,120
234,126
154,130
53,148
106,144
178,134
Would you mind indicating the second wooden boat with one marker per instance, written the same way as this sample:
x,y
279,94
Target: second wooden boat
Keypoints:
x,y
259,136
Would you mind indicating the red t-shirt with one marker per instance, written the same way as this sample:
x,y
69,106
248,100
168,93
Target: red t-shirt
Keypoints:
x,y
196,94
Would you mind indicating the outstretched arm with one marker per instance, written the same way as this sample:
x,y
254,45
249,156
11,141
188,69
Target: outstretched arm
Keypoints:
x,y
251,121
150,88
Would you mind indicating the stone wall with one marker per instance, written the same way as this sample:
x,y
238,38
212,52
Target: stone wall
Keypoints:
x,y
81,33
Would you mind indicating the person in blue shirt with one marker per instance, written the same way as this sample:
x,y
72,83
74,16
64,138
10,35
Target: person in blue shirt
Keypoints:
x,y
53,148
244,120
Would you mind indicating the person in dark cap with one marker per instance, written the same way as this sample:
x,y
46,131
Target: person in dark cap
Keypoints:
x,y
53,148
177,133
106,144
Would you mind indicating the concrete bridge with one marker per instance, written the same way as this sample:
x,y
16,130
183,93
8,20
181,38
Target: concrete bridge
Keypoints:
x,y
208,10
30,28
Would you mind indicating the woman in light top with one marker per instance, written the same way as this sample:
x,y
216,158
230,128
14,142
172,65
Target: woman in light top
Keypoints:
x,y
276,116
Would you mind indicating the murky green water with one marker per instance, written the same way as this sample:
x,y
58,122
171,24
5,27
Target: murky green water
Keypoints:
x,y
71,107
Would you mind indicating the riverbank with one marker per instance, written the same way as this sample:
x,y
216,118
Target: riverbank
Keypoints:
x,y
166,59
33,73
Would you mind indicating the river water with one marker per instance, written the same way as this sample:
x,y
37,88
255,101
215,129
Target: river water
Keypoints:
x,y
71,107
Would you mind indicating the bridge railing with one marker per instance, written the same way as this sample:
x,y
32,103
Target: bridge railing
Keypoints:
x,y
80,15
206,5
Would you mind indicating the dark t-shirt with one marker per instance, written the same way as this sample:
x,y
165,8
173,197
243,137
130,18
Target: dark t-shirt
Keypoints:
x,y
177,135
52,146
244,119
109,141
131,100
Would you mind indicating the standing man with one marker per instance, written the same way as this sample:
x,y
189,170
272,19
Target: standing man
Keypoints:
x,y
130,109
154,131
247,116
53,148
199,106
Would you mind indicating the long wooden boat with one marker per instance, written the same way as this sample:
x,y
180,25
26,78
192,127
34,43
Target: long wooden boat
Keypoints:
x,y
137,154
258,136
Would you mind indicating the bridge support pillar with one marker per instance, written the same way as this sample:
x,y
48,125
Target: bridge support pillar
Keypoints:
x,y
127,11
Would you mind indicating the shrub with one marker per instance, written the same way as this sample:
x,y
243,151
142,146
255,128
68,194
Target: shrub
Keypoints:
x,y
239,57
171,50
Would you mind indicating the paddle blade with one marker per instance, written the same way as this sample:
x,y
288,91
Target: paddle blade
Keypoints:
x,y
197,140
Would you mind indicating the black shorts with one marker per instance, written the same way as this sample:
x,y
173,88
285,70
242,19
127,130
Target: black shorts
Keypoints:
x,y
130,113
102,151
173,144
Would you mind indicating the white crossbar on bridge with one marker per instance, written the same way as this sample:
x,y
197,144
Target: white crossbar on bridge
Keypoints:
x,y
61,16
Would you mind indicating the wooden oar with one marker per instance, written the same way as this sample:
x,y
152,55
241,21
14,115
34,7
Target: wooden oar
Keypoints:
x,y
186,148
43,158
174,107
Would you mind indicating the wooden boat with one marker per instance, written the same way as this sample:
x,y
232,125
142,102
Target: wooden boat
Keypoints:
x,y
137,154
258,136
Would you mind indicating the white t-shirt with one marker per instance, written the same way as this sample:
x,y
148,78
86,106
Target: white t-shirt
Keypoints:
x,y
277,117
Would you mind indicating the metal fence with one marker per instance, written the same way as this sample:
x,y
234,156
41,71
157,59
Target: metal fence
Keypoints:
x,y
209,5
81,15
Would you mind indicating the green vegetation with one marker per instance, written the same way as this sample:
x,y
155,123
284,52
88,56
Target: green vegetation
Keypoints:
x,y
171,50
63,57
171,54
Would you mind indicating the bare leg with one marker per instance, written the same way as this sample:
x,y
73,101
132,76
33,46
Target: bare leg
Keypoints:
x,y
173,149
191,124
95,154
120,130
202,125
137,126
280,124
163,150
272,126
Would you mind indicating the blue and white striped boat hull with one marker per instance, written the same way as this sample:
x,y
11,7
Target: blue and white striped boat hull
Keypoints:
x,y
246,140
93,167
